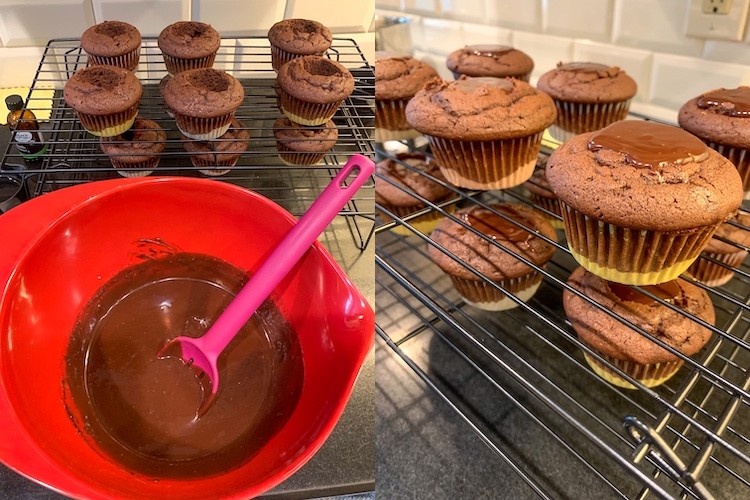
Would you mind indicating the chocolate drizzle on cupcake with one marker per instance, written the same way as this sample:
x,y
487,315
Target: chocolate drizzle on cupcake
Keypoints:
x,y
732,102
494,51
648,144
497,227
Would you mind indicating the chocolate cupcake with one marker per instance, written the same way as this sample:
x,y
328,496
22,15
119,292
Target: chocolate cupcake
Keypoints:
x,y
293,38
397,79
499,61
113,43
301,145
137,151
311,89
485,132
203,101
395,183
216,157
501,266
162,86
105,99
622,346
541,194
188,45
721,118
588,96
640,199
726,246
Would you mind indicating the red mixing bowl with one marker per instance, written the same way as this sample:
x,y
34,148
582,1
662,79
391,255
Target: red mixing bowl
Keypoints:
x,y
59,248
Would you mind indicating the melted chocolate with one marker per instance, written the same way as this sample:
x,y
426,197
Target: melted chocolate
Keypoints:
x,y
141,410
494,51
469,85
648,144
496,227
732,102
583,67
668,292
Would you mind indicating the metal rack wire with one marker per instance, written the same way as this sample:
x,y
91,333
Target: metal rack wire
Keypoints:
x,y
74,156
689,437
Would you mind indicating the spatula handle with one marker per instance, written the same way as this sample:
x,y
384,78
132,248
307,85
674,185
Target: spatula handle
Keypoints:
x,y
288,252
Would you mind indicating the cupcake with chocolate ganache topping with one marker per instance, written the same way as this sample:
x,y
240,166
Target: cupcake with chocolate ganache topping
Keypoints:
x,y
641,199
292,38
203,101
397,79
105,99
721,118
512,226
499,61
485,132
588,96
188,45
113,43
395,182
311,89
623,347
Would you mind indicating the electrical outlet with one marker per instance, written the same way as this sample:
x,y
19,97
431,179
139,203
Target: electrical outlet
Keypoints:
x,y
721,7
717,19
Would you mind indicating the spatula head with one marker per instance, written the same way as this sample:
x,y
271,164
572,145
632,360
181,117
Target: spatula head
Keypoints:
x,y
188,350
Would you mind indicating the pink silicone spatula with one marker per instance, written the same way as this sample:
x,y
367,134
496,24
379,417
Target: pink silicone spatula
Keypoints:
x,y
202,353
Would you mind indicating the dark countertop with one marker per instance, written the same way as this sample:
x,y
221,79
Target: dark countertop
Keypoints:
x,y
346,462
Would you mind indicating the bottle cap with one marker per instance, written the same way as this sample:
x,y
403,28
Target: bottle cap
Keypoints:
x,y
14,102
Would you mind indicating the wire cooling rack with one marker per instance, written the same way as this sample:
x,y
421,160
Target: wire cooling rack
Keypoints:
x,y
74,156
689,437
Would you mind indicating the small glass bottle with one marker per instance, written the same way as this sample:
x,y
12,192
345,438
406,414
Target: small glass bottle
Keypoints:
x,y
28,137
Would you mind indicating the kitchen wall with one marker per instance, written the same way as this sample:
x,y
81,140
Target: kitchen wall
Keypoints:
x,y
645,37
27,25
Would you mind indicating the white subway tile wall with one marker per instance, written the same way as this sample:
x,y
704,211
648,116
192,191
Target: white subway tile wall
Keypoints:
x,y
565,18
27,25
342,16
149,16
644,37
238,17
516,14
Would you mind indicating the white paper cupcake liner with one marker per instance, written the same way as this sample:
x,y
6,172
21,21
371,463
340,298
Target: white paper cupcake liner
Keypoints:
x,y
484,296
713,274
632,256
499,164
128,61
649,375
577,118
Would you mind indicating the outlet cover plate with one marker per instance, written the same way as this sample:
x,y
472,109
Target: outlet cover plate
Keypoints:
x,y
719,25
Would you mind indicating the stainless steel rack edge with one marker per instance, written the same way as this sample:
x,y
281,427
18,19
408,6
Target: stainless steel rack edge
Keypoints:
x,y
73,155
667,439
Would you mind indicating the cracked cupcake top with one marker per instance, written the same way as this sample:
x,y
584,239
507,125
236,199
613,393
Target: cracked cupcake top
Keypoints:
x,y
110,38
395,195
482,108
189,40
645,175
399,76
102,90
300,36
316,79
490,60
203,93
587,82
145,138
610,336
721,115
